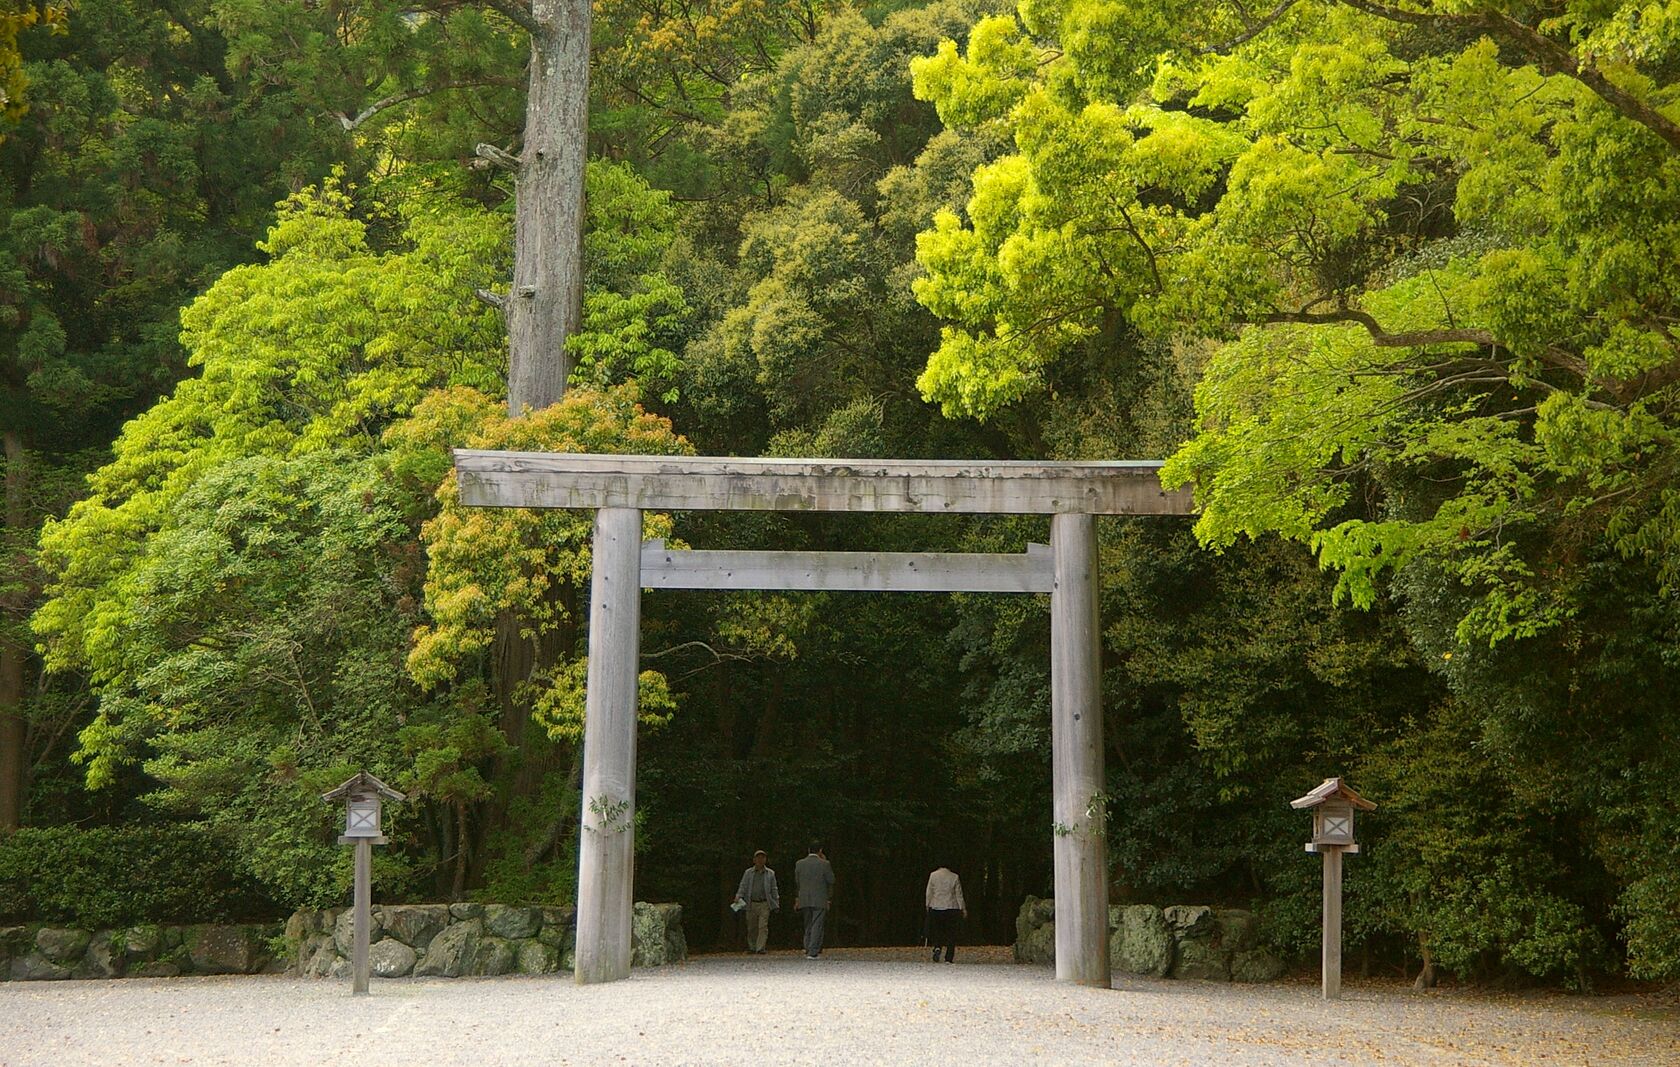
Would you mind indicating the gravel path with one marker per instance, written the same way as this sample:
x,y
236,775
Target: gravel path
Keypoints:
x,y
858,1007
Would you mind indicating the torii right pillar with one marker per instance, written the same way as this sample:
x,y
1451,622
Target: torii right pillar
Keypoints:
x,y
1076,741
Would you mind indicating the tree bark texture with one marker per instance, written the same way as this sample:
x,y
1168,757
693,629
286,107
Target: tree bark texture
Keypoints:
x,y
546,301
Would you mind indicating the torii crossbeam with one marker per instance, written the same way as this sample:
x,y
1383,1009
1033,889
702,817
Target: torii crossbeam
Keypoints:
x,y
620,488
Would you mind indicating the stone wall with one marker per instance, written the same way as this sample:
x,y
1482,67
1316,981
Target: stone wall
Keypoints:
x,y
456,940
36,953
1182,941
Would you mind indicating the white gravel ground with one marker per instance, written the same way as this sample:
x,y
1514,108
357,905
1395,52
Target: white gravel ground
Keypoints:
x,y
847,1008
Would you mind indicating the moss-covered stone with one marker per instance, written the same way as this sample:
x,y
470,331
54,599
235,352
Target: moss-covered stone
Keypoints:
x,y
390,958
1143,944
224,949
413,924
1191,922
451,952
492,956
1204,959
156,969
105,957
142,944
36,967
1035,931
656,934
61,945
1237,929
344,929
535,957
512,922
315,958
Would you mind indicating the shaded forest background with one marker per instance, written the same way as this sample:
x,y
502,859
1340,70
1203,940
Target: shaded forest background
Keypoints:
x,y
1392,284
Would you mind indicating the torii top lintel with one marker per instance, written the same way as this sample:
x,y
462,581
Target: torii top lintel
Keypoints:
x,y
727,483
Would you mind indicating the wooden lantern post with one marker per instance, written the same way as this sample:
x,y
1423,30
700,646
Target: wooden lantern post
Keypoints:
x,y
1332,805
362,828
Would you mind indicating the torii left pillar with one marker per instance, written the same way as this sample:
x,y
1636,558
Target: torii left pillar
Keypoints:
x,y
609,749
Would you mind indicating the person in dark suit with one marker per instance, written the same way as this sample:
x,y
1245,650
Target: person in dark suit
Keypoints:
x,y
814,878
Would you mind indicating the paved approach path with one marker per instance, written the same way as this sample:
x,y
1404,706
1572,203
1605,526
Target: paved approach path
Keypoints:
x,y
862,1007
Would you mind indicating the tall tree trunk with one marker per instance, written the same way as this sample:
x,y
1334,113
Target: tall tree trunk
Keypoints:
x,y
1426,976
13,651
547,296
543,308
458,890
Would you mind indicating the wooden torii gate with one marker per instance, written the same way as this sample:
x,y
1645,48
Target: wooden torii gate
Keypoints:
x,y
620,488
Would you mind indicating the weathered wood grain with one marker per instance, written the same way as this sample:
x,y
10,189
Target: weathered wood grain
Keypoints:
x,y
1080,848
1331,979
609,750
721,483
917,572
363,918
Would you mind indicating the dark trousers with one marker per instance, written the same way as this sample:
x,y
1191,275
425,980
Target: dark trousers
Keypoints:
x,y
814,929
943,926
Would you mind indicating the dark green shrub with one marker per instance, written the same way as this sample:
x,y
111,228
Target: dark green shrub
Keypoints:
x,y
118,876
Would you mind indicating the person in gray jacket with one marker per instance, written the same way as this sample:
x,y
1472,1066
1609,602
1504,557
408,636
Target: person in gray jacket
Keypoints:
x,y
814,877
758,892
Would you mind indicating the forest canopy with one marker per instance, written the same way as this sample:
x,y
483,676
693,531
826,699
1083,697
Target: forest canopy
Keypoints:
x,y
1391,285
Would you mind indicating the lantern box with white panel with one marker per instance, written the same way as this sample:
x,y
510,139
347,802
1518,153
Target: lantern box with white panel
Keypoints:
x,y
363,796
1333,805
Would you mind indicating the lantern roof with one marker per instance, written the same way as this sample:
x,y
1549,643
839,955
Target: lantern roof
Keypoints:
x,y
1332,789
363,784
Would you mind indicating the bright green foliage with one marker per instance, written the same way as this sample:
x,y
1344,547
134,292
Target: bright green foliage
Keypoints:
x,y
634,315
1423,288
241,582
261,657
138,173
317,349
499,580
1430,289
1343,177
246,580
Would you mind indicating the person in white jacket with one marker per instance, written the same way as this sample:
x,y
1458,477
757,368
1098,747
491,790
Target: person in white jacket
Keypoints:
x,y
945,912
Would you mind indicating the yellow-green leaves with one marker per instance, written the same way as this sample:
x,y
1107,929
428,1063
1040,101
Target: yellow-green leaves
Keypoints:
x,y
981,87
1443,278
486,563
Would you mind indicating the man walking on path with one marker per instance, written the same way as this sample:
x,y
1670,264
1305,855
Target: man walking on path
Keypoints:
x,y
814,877
945,908
758,891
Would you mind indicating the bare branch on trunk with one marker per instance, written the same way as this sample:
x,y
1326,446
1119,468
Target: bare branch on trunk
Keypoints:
x,y
489,155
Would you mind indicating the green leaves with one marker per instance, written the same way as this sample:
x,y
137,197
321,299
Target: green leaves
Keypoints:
x,y
1427,279
482,562
330,340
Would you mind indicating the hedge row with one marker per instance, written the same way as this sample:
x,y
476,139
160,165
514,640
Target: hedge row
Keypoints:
x,y
108,877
